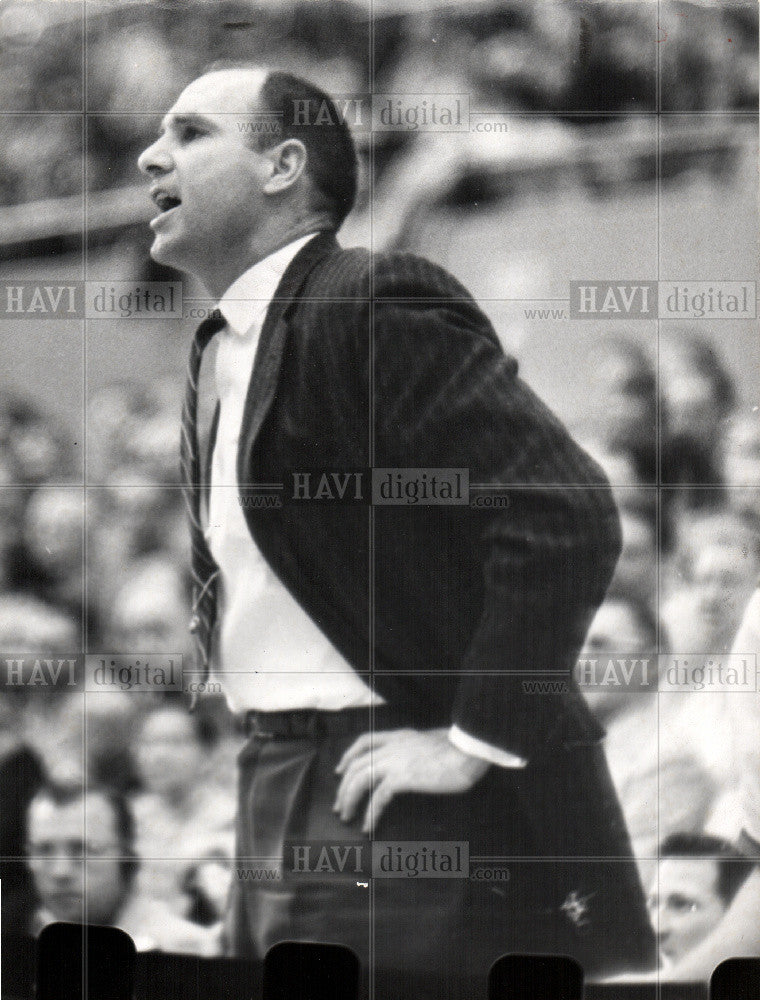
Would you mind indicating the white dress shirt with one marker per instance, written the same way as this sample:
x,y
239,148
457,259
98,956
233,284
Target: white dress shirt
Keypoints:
x,y
272,656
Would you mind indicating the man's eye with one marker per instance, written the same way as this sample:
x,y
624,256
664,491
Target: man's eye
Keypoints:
x,y
682,904
190,132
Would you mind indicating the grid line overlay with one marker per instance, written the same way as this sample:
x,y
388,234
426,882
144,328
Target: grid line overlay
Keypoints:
x,y
86,485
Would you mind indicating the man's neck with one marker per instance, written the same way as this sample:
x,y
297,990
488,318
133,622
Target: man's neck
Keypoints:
x,y
263,247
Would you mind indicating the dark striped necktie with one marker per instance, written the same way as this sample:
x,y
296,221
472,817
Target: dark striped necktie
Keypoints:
x,y
203,567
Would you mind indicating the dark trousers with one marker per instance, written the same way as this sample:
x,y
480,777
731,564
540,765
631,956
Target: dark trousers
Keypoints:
x,y
554,827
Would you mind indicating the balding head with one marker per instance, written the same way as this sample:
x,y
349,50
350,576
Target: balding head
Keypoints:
x,y
284,106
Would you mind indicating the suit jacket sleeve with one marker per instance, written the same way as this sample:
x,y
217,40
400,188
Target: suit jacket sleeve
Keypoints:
x,y
446,395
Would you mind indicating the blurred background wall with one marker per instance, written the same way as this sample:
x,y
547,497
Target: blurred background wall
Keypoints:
x,y
585,180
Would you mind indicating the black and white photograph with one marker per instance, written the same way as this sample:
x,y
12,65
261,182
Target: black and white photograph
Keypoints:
x,y
380,489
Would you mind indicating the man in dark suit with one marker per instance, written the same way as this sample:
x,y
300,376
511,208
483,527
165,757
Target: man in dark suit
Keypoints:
x,y
377,655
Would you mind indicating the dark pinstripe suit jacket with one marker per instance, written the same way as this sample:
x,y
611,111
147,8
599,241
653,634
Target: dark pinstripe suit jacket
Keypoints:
x,y
387,360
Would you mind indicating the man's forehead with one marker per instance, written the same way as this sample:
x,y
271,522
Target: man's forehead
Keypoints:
x,y
61,818
694,875
221,92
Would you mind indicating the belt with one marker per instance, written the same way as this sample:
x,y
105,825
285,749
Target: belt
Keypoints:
x,y
303,723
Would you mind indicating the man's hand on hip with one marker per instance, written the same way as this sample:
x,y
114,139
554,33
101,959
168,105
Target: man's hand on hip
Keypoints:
x,y
401,760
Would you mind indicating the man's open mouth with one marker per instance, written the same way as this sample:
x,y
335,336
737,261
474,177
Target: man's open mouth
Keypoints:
x,y
166,202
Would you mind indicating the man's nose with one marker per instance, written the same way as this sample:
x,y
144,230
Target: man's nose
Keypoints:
x,y
156,159
63,868
662,924
662,939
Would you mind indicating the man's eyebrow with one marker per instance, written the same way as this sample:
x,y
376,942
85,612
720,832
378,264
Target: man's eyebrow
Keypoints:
x,y
173,121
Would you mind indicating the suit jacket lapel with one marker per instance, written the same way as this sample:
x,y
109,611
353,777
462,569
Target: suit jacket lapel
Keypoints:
x,y
266,366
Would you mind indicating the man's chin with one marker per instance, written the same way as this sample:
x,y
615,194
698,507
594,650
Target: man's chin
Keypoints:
x,y
162,253
669,958
171,251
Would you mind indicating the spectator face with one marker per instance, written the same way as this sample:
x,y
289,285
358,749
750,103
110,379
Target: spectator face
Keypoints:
x,y
616,631
168,754
625,391
684,904
92,740
133,495
697,394
35,627
54,529
57,844
722,577
150,614
206,162
742,467
154,446
693,410
36,451
152,630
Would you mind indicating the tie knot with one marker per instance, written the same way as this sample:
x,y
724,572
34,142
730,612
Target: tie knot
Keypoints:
x,y
211,325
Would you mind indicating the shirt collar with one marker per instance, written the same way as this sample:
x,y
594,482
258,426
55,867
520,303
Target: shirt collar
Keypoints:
x,y
250,295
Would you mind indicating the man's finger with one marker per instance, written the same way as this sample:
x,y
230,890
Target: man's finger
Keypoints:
x,y
378,801
362,745
357,781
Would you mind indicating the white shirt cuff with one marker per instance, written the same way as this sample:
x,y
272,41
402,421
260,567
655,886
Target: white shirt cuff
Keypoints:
x,y
485,751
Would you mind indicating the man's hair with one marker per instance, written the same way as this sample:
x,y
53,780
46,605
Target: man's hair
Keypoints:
x,y
332,163
733,867
63,794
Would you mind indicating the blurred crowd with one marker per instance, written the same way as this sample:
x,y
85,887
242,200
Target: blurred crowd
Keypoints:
x,y
690,561
105,570
558,57
689,565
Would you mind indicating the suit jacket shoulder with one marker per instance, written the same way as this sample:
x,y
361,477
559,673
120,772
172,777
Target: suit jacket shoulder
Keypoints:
x,y
358,274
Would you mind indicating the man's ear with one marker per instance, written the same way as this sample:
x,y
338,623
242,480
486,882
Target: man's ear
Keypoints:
x,y
288,161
